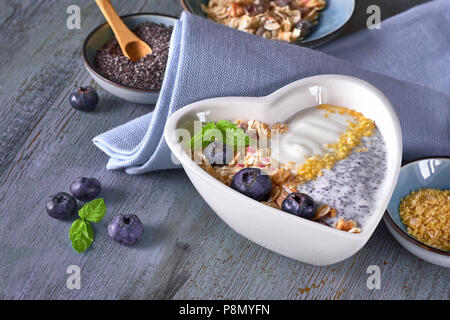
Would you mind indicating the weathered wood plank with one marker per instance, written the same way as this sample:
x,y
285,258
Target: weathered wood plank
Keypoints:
x,y
186,251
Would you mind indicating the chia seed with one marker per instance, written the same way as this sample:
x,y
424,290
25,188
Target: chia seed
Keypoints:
x,y
147,73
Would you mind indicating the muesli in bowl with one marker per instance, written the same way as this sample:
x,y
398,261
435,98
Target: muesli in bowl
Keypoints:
x,y
310,167
283,20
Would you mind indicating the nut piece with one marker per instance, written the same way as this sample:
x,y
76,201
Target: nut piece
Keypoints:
x,y
345,225
242,124
236,10
275,192
322,211
279,176
283,195
271,25
295,34
332,213
281,127
355,230
284,36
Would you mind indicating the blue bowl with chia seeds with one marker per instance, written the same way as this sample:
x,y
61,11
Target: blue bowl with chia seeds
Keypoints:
x,y
100,36
332,20
432,173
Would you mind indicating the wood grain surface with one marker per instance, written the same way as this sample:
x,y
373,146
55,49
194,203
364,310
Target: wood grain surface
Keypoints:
x,y
186,251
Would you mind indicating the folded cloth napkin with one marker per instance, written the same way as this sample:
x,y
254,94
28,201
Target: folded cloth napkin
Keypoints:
x,y
408,59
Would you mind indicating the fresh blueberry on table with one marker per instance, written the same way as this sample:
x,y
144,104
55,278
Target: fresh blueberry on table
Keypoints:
x,y
216,153
252,183
61,205
85,189
125,229
300,205
84,98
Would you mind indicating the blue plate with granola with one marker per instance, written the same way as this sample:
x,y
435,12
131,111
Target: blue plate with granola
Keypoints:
x,y
304,22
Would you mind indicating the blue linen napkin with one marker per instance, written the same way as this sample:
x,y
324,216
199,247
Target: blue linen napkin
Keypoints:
x,y
408,59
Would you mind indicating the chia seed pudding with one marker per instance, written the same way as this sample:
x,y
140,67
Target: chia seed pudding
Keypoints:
x,y
147,73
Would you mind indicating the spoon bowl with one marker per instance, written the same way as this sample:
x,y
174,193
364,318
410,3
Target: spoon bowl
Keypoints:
x,y
136,50
132,47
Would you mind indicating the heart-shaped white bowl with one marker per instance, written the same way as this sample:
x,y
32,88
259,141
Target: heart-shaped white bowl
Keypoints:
x,y
291,236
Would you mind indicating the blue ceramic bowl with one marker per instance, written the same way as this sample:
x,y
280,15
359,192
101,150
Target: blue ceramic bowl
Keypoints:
x,y
97,39
424,173
332,19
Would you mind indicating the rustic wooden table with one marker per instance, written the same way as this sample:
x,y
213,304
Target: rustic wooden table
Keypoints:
x,y
186,251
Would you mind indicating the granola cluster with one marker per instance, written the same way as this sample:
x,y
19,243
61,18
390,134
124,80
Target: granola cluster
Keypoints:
x,y
283,177
284,20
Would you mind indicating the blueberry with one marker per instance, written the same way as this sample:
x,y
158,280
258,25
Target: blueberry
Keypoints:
x,y
256,8
85,189
283,3
305,27
300,205
125,229
216,153
252,183
84,98
61,205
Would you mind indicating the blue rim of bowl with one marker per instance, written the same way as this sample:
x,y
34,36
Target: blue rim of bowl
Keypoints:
x,y
406,235
93,69
187,8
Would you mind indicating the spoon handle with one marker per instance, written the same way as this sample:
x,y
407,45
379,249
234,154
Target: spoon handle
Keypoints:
x,y
121,31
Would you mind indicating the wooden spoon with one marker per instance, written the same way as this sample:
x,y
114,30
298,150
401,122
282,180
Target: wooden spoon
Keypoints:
x,y
132,47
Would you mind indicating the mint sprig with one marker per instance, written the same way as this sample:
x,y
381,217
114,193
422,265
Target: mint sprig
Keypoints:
x,y
231,134
81,233
93,211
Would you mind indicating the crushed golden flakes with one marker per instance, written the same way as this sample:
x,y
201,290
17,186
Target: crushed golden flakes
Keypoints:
x,y
357,129
426,214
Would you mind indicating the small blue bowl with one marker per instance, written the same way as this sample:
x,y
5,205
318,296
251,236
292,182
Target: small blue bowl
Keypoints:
x,y
423,173
97,39
332,19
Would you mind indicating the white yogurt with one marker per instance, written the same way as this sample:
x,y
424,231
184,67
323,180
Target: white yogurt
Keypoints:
x,y
309,132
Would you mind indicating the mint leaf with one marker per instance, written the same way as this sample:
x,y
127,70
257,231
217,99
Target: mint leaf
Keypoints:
x,y
81,235
224,125
93,211
198,140
231,134
208,125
